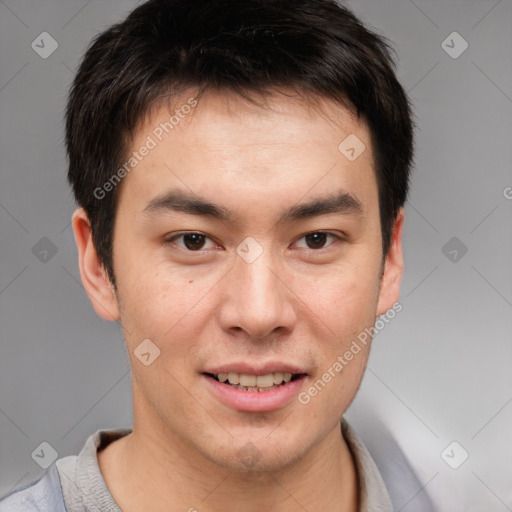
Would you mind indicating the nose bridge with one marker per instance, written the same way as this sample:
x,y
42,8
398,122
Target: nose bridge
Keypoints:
x,y
257,280
259,300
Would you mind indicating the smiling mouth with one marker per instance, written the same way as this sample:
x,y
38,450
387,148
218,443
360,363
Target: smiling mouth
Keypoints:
x,y
255,383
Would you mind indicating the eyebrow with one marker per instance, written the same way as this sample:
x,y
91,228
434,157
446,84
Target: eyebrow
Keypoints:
x,y
184,202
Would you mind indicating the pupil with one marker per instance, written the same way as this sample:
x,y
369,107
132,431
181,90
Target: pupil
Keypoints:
x,y
316,239
193,241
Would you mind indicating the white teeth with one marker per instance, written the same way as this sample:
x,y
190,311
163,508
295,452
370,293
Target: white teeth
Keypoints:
x,y
247,380
234,378
255,382
265,381
278,378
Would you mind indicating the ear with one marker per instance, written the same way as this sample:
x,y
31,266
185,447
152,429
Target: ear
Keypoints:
x,y
94,276
393,268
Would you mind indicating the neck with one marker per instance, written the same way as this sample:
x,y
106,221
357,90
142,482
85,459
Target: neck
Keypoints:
x,y
144,473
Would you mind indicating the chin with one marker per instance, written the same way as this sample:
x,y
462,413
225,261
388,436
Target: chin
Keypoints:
x,y
251,460
263,452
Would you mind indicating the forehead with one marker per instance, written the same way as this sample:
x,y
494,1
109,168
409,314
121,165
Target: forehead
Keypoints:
x,y
257,118
224,144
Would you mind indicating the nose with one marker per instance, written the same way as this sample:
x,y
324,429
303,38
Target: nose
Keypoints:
x,y
257,299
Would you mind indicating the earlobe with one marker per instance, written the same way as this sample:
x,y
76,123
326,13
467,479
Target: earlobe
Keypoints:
x,y
393,268
92,272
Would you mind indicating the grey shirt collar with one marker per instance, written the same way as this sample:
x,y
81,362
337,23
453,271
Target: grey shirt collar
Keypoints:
x,y
84,489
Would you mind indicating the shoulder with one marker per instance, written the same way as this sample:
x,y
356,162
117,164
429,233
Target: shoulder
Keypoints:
x,y
68,481
43,495
382,451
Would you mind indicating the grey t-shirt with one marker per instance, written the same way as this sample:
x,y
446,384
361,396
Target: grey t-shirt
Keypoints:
x,y
75,483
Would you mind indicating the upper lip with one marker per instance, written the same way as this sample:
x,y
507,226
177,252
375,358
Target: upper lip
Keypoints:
x,y
255,369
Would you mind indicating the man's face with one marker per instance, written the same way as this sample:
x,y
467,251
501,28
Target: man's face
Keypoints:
x,y
266,288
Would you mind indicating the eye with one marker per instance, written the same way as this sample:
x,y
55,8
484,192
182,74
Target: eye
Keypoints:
x,y
192,241
318,239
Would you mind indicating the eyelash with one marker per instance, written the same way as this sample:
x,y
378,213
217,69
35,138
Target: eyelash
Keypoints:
x,y
180,235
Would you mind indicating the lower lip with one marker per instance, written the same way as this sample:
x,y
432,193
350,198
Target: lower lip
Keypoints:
x,y
255,401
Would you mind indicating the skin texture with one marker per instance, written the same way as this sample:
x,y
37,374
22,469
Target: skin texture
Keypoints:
x,y
294,304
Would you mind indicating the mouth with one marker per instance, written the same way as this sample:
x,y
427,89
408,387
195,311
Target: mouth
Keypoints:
x,y
255,383
246,388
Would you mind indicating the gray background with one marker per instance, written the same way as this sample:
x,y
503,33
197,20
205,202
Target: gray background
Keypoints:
x,y
439,372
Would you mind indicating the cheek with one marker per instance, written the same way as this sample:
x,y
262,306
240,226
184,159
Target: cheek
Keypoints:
x,y
345,302
346,298
166,306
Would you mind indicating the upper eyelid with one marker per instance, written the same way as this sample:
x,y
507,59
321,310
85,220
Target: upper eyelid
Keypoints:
x,y
183,233
171,238
335,235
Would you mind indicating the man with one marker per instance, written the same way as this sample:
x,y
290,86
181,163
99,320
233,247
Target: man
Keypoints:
x,y
240,168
